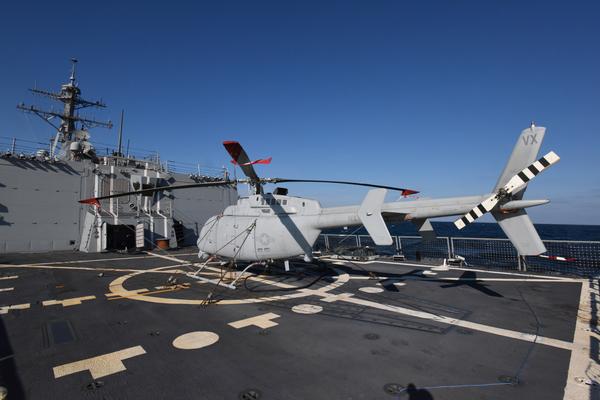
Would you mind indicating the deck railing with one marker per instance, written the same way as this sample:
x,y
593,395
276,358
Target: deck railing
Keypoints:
x,y
583,256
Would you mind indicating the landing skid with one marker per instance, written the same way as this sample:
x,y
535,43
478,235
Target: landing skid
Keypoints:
x,y
219,282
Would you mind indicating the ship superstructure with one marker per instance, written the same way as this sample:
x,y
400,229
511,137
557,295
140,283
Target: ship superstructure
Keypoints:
x,y
40,187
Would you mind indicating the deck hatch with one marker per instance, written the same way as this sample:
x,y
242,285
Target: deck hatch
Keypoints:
x,y
60,332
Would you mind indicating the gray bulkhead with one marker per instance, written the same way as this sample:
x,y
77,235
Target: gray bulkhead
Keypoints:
x,y
39,209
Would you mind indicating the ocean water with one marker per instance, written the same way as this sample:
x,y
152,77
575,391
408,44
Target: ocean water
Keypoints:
x,y
490,230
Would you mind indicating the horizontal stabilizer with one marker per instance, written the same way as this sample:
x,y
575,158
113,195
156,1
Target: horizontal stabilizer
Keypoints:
x,y
370,215
518,204
521,232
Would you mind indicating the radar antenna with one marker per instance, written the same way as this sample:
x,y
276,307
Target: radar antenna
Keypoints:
x,y
69,95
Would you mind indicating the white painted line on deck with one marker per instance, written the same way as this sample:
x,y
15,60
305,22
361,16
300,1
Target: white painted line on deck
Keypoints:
x,y
7,289
583,369
263,321
465,324
440,279
67,302
465,269
100,366
96,269
6,309
103,259
2,278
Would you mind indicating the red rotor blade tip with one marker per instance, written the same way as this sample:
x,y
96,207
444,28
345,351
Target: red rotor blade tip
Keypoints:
x,y
233,148
93,201
408,192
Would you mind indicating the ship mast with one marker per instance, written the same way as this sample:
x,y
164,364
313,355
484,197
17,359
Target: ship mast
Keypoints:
x,y
68,131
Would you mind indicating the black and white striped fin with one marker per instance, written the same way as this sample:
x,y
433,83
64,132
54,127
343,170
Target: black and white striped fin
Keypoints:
x,y
485,206
517,181
530,172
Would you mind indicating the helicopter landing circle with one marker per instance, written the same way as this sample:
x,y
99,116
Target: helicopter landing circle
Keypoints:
x,y
117,287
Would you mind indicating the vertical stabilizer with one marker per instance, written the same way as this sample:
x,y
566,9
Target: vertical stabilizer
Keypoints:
x,y
524,153
521,232
516,224
370,215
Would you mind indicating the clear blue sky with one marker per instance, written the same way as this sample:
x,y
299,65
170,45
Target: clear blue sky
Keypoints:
x,y
428,95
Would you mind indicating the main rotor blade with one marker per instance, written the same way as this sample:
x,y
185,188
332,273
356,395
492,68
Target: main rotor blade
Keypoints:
x,y
239,156
405,192
516,182
96,200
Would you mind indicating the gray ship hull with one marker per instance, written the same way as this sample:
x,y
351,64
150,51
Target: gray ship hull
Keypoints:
x,y
39,209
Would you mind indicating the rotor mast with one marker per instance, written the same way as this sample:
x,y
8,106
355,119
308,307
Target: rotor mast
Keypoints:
x,y
69,95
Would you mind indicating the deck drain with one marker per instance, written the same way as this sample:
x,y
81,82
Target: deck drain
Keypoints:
x,y
393,388
250,394
371,336
94,385
508,379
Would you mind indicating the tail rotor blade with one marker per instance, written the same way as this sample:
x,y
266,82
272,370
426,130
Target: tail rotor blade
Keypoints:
x,y
515,183
484,207
530,172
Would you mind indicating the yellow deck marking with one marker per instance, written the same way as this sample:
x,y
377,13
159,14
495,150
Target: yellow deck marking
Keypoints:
x,y
195,340
337,297
583,369
262,321
116,286
131,292
2,278
8,289
127,294
5,309
67,302
100,366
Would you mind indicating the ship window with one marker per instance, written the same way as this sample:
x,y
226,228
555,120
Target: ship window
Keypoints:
x,y
278,202
302,204
262,202
285,202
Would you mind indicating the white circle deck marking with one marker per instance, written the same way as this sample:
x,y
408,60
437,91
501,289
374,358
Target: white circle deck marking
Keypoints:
x,y
369,289
195,340
307,309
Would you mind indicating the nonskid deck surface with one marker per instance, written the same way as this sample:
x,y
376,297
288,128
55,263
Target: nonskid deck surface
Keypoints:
x,y
111,326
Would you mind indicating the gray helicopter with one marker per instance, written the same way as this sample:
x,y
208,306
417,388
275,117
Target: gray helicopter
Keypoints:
x,y
276,226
